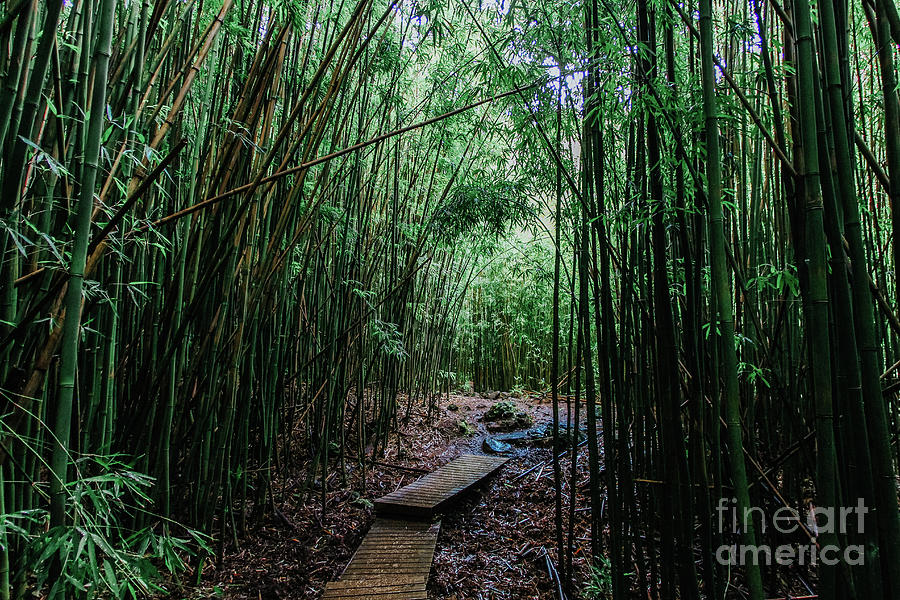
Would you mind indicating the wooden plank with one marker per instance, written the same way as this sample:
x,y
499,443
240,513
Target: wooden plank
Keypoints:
x,y
394,559
380,588
392,563
433,492
405,582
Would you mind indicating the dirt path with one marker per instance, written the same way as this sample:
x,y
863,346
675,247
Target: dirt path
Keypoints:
x,y
492,549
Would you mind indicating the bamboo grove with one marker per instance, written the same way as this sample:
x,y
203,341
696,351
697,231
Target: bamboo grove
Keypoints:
x,y
240,236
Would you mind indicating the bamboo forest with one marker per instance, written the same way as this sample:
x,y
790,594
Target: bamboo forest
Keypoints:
x,y
450,299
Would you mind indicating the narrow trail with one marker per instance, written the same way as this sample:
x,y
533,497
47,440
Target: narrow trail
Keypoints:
x,y
394,560
491,545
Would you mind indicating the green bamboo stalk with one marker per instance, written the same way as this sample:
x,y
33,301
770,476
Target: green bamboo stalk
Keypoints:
x,y
722,285
73,298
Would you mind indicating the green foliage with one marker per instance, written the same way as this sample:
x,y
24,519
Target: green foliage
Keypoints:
x,y
448,378
96,553
466,428
494,206
361,502
505,325
781,280
599,583
389,339
270,304
753,373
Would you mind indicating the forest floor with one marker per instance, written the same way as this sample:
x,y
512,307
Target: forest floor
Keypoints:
x,y
492,544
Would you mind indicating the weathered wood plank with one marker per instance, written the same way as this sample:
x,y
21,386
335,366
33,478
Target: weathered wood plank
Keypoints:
x,y
392,563
433,492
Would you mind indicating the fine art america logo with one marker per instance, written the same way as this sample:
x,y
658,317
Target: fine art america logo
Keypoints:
x,y
786,520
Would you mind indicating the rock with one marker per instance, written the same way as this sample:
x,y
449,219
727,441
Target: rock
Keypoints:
x,y
536,436
520,436
500,411
495,446
509,425
506,416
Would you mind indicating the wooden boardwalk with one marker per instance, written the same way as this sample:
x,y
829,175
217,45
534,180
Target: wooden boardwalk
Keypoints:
x,y
432,493
394,559
392,562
